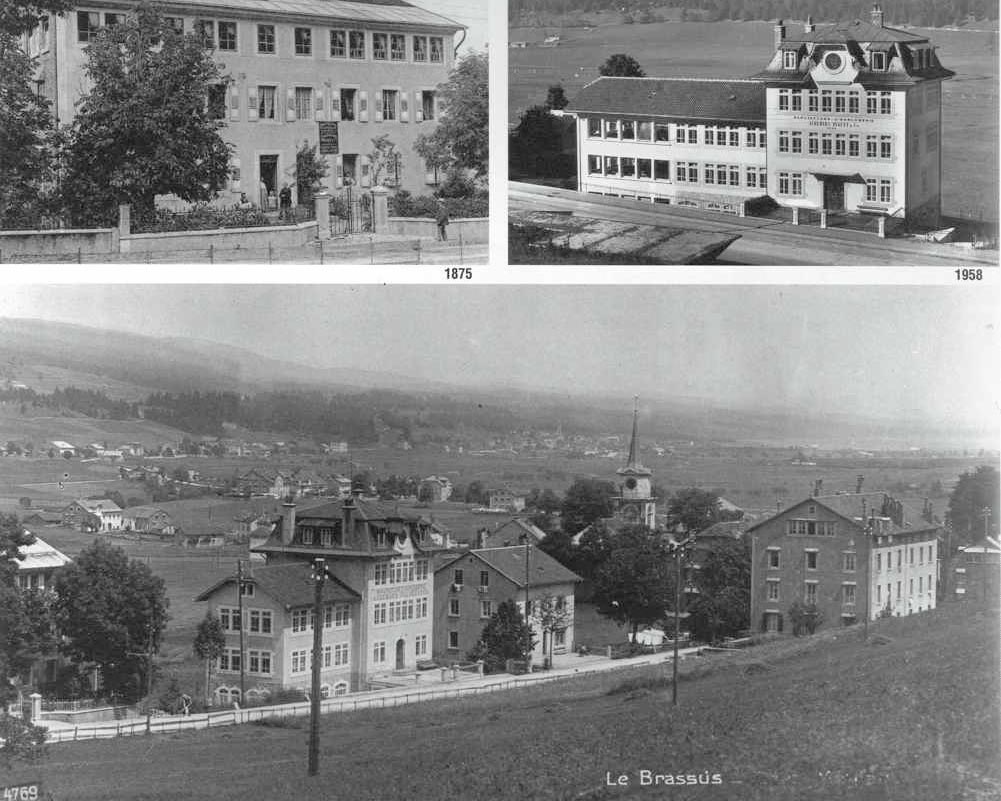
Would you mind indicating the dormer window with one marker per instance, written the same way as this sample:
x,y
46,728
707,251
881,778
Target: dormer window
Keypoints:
x,y
380,539
790,59
877,62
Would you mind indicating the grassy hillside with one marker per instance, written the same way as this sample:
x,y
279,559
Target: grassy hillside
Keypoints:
x,y
912,714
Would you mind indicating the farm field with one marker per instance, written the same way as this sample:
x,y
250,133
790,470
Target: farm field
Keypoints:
x,y
737,49
792,719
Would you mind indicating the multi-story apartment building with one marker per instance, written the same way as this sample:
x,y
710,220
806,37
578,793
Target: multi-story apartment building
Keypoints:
x,y
372,67
848,555
469,588
277,624
381,553
845,117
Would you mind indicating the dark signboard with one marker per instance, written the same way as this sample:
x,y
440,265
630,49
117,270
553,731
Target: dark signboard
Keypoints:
x,y
329,143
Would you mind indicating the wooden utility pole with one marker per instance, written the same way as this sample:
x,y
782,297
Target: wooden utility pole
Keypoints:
x,y
243,636
679,550
319,574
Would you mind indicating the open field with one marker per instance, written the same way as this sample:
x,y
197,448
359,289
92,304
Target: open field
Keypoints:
x,y
789,720
728,49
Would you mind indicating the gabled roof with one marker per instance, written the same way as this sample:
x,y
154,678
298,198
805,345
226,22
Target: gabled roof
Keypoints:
x,y
543,570
728,529
854,31
379,12
95,505
524,528
145,511
290,584
850,506
40,556
726,99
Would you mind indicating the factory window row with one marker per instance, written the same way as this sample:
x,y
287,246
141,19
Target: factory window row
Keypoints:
x,y
678,133
265,102
835,101
346,43
877,146
684,171
399,610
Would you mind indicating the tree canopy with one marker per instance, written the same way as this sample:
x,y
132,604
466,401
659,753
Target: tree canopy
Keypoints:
x,y
506,636
150,123
621,65
973,493
18,17
113,611
587,500
463,130
721,608
695,510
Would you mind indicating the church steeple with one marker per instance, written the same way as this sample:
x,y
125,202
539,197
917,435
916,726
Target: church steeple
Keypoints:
x,y
636,503
634,446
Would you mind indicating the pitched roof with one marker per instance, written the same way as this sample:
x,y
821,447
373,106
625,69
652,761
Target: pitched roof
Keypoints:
x,y
382,12
730,100
290,584
728,529
542,568
40,556
854,31
850,505
99,505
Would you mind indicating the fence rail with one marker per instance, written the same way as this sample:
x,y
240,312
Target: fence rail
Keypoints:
x,y
233,717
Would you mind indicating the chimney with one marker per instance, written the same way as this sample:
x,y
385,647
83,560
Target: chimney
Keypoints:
x,y
818,485
858,483
780,34
347,513
877,15
809,27
288,521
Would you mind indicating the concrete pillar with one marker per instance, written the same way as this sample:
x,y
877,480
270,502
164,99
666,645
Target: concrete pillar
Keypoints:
x,y
741,209
455,673
823,218
380,209
881,230
479,667
124,219
36,700
321,203
444,671
795,215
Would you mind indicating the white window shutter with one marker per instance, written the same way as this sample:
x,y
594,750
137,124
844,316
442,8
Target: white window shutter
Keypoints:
x,y
234,103
290,104
363,106
335,104
418,107
366,174
339,171
404,106
318,110
252,104
377,107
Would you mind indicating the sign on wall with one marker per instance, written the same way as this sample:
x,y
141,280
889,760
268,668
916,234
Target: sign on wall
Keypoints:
x,y
329,139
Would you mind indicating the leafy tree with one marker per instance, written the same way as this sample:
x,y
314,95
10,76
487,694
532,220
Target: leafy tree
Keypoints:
x,y
22,741
693,509
554,615
556,98
18,17
436,154
973,493
587,500
722,606
477,493
559,545
127,144
537,144
113,612
635,584
506,636
310,170
462,133
25,137
621,65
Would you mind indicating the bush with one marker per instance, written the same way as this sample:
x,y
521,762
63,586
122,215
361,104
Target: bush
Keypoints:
x,y
404,204
201,218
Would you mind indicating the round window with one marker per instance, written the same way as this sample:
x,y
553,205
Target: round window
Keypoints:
x,y
631,483
833,62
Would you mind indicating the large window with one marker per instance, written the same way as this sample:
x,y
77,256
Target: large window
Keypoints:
x,y
87,25
661,169
853,145
205,30
886,147
428,105
773,553
789,59
839,102
611,165
810,596
878,61
420,44
774,585
229,660
229,618
340,654
304,41
812,100
885,103
398,47
593,165
303,103
300,620
797,101
379,652
260,621
662,132
784,99
826,101
628,171
338,44
797,141
265,38
299,662
266,102
259,662
628,130
380,46
348,113
356,44
437,49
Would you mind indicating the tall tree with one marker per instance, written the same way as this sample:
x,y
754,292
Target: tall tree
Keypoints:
x,y
310,170
635,584
506,636
587,500
208,646
973,494
463,130
127,142
621,65
721,608
693,509
113,612
19,17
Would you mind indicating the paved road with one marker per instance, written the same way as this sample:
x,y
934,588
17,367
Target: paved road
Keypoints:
x,y
762,242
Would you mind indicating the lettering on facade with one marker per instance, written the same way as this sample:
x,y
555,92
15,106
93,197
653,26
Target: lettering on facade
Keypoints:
x,y
818,121
393,593
329,139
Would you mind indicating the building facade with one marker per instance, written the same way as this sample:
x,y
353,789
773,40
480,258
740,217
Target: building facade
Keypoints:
x,y
370,67
845,117
636,502
277,623
846,556
90,515
469,589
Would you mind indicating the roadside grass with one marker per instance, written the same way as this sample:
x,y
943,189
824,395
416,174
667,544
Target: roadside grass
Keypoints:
x,y
912,718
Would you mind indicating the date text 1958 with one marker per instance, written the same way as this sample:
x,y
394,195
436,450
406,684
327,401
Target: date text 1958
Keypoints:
x,y
969,274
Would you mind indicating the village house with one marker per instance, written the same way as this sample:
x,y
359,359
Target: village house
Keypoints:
x,y
469,588
363,69
846,556
516,531
148,520
506,499
277,624
435,489
94,516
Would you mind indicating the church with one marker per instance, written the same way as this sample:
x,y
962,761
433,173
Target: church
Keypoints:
x,y
844,118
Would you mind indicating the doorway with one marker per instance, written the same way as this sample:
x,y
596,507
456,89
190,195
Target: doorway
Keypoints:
x,y
268,166
834,194
401,648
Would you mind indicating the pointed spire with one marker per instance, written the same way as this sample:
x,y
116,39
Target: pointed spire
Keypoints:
x,y
634,442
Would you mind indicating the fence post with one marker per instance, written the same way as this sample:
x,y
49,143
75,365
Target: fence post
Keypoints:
x,y
417,247
79,256
321,251
823,218
124,219
881,227
461,261
270,255
211,253
321,205
795,215
371,250
380,209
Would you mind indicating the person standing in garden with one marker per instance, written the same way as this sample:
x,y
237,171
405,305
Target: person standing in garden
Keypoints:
x,y
442,219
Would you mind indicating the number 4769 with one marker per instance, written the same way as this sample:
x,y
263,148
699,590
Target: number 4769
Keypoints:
x,y
24,792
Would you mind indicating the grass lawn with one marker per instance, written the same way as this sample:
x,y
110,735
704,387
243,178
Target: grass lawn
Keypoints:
x,y
912,714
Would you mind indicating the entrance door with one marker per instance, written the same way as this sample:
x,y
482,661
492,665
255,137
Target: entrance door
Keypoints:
x,y
269,178
834,194
401,648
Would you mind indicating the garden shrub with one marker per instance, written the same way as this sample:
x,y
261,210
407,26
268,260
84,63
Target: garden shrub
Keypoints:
x,y
201,218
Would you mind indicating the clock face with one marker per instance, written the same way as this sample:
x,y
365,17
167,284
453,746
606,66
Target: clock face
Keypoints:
x,y
631,483
834,62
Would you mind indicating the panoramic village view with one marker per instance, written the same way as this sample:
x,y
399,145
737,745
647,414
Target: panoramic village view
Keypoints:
x,y
637,557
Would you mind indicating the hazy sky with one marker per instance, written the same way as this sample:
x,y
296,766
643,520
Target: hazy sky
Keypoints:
x,y
471,13
904,352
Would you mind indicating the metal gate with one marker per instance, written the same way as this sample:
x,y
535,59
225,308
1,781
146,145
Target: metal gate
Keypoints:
x,y
351,213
